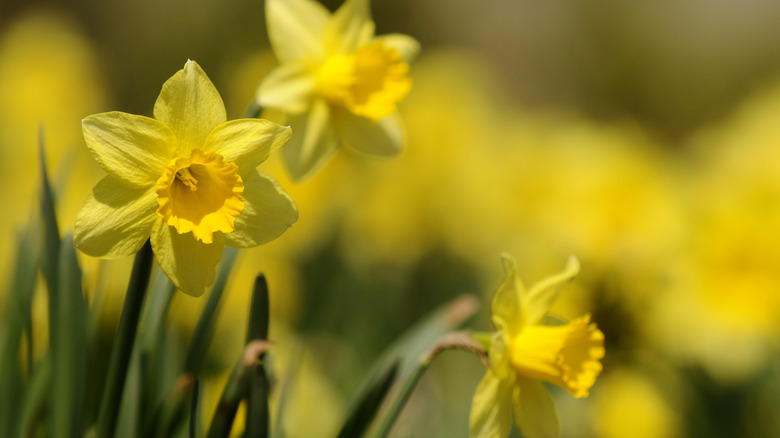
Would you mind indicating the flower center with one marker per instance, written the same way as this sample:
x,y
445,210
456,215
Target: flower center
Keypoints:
x,y
201,194
368,83
565,355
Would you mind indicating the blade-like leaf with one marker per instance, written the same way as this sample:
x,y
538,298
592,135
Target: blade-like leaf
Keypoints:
x,y
236,389
68,347
418,340
17,320
124,341
204,331
363,409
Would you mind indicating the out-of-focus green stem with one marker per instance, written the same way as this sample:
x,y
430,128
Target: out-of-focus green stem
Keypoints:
x,y
450,341
123,342
236,388
253,111
194,409
205,329
257,418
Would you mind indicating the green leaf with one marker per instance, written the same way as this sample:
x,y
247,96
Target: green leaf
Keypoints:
x,y
245,374
36,395
258,311
170,414
416,342
364,408
68,347
16,321
51,236
124,341
204,331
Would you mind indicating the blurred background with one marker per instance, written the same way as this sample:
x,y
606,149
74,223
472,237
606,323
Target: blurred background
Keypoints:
x,y
640,136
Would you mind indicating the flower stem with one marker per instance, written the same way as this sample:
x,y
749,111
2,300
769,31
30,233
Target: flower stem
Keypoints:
x,y
450,341
123,342
253,111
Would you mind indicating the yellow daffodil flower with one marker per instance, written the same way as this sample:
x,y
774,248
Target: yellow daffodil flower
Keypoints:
x,y
336,81
186,178
523,353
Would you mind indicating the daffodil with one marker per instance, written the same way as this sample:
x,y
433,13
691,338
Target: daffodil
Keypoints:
x,y
337,82
523,353
187,178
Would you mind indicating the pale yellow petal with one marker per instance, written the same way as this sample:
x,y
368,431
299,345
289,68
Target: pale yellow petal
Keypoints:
x,y
115,220
187,262
133,149
351,27
384,138
191,106
313,141
288,87
268,212
534,411
537,302
491,408
505,308
247,142
407,46
296,28
499,358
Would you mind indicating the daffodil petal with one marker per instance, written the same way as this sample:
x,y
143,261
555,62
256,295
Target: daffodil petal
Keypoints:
x,y
115,220
383,138
296,28
187,262
491,408
534,411
313,141
288,87
407,46
268,212
246,142
133,149
537,302
350,27
498,355
191,106
505,308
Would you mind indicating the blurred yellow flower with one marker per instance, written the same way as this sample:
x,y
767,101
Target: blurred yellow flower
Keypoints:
x,y
187,178
336,81
523,353
632,403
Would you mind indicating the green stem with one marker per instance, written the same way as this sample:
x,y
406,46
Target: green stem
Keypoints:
x,y
194,409
485,339
253,111
236,389
401,398
450,341
205,329
123,342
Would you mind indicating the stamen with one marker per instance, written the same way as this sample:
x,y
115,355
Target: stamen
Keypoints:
x,y
185,176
